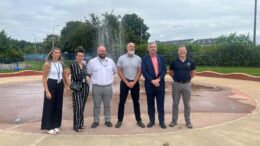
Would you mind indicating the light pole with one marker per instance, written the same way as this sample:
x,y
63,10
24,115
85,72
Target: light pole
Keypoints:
x,y
255,16
35,44
53,34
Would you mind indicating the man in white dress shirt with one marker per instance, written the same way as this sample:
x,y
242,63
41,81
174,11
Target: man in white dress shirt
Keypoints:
x,y
101,70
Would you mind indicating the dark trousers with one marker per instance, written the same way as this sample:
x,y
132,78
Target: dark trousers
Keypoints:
x,y
52,108
153,93
79,99
124,89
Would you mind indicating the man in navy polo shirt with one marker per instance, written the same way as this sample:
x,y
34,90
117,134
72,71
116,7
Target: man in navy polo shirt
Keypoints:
x,y
182,70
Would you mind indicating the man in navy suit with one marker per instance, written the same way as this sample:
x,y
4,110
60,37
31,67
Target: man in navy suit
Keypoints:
x,y
154,69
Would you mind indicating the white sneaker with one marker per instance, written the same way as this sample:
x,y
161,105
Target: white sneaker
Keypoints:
x,y
52,132
57,130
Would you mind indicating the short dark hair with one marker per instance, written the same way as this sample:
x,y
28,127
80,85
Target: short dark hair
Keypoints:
x,y
181,46
79,50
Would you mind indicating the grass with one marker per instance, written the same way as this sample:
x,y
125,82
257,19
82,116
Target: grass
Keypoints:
x,y
255,71
7,71
33,65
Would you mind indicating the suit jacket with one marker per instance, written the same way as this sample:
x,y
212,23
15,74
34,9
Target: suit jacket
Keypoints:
x,y
149,72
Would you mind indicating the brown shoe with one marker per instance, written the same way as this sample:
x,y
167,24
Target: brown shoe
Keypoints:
x,y
172,124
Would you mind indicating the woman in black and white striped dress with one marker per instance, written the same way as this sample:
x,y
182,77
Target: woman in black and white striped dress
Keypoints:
x,y
78,73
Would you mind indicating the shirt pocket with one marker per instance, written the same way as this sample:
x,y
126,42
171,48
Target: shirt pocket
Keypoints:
x,y
96,69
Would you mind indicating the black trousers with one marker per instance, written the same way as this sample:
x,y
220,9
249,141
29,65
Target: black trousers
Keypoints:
x,y
52,108
124,89
153,93
79,99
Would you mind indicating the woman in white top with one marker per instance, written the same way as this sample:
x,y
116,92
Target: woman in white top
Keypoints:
x,y
53,82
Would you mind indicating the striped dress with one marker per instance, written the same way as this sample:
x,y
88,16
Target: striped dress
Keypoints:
x,y
79,98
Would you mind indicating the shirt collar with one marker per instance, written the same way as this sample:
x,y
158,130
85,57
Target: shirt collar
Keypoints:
x,y
130,56
181,60
105,59
153,55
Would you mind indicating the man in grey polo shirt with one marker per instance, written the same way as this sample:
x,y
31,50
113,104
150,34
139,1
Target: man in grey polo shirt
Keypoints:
x,y
129,71
101,70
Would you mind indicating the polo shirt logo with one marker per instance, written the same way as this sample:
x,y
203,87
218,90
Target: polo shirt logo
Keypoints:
x,y
188,64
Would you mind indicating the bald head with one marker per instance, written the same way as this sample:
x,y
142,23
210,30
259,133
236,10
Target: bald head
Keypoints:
x,y
101,51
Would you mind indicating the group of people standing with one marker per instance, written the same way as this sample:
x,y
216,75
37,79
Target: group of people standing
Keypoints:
x,y
101,71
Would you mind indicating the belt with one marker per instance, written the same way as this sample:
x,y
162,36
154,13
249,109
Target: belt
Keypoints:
x,y
102,85
183,82
50,79
129,80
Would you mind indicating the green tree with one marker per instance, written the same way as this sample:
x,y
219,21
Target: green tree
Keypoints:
x,y
234,49
134,29
77,33
9,50
4,40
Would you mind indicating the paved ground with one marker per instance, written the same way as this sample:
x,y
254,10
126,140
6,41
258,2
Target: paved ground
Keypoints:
x,y
242,131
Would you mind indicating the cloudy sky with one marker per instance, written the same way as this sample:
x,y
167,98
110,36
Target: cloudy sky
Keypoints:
x,y
167,19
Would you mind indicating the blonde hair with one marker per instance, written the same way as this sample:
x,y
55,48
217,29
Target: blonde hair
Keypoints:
x,y
49,56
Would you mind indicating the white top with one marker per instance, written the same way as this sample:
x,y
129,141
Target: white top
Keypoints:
x,y
55,71
101,71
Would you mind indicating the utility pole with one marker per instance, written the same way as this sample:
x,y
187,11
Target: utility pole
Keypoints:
x,y
35,44
141,36
255,17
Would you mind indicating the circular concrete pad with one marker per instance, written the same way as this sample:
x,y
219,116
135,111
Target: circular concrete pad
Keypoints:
x,y
22,105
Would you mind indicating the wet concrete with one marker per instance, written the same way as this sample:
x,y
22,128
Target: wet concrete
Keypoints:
x,y
22,105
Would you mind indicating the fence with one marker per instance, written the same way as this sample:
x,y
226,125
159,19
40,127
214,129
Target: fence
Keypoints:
x,y
201,59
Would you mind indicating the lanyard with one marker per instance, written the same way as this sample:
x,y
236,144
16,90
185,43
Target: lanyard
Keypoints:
x,y
101,62
81,70
58,70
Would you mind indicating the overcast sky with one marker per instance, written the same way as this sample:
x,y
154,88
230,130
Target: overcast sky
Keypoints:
x,y
166,19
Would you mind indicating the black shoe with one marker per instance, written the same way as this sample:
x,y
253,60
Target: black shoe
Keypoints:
x,y
172,124
94,125
141,124
77,130
189,125
108,124
150,124
118,124
163,125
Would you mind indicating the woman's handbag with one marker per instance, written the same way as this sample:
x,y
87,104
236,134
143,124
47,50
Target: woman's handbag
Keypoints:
x,y
75,86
